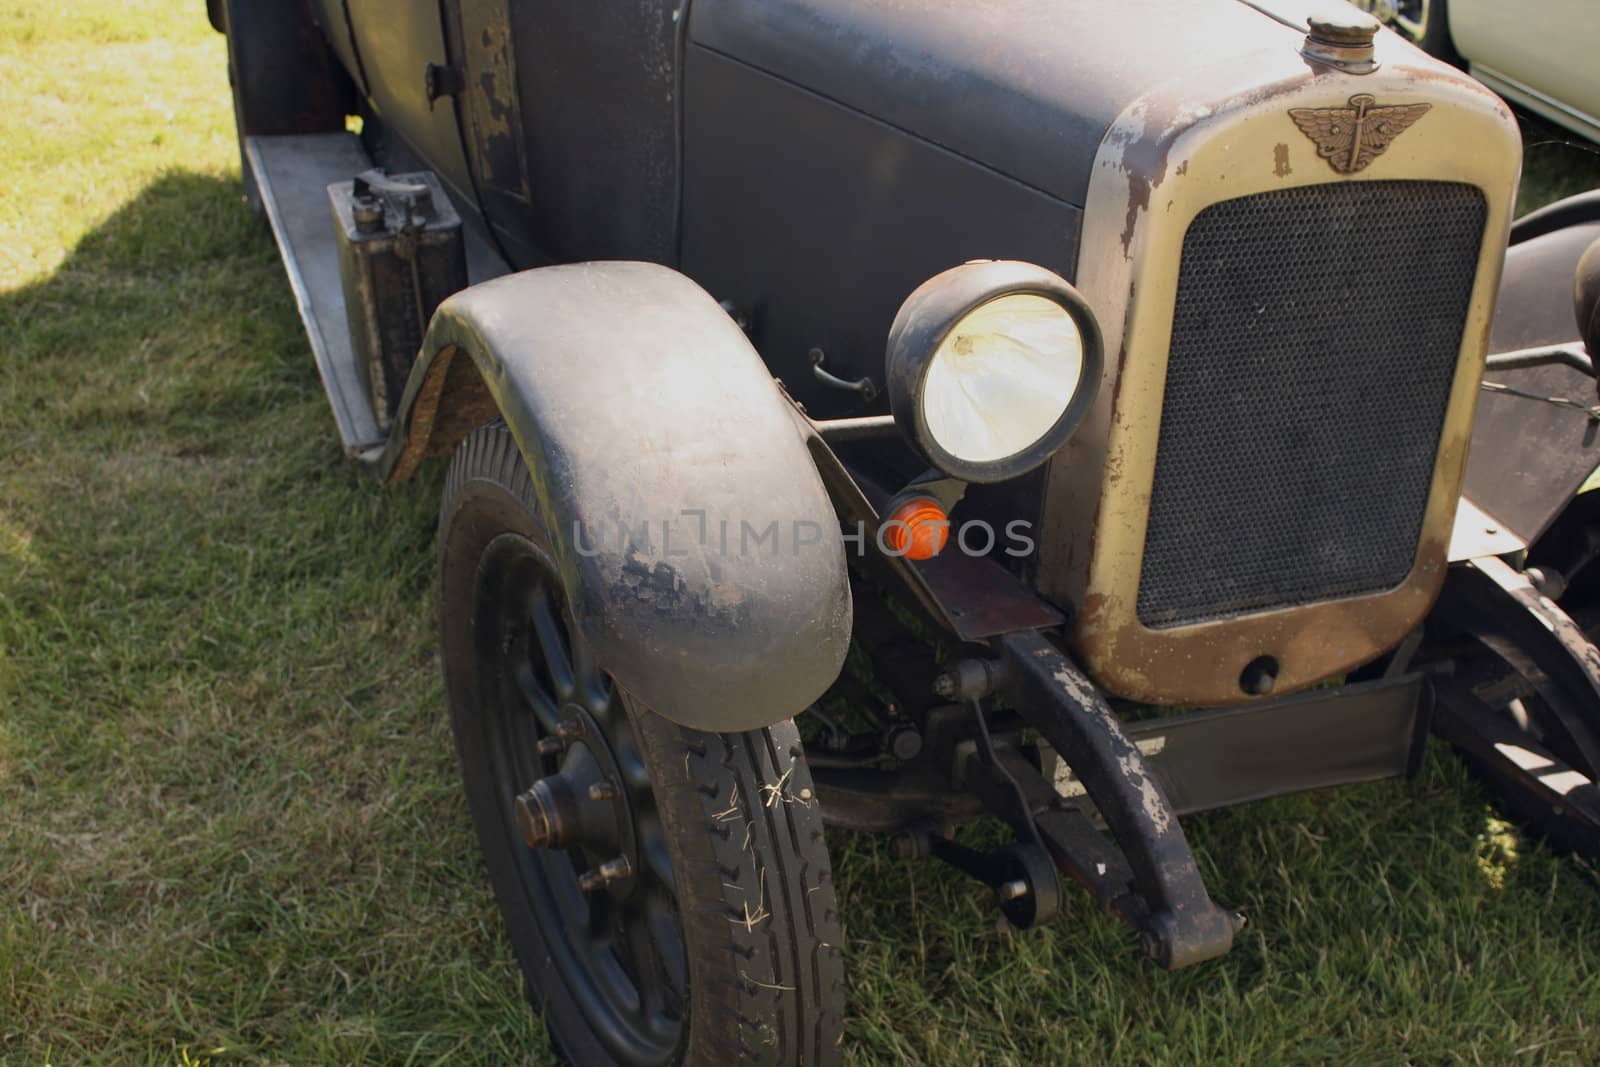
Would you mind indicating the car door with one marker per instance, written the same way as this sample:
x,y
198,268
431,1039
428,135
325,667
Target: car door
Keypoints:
x,y
570,116
494,133
397,42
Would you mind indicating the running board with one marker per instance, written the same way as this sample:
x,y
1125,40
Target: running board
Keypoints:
x,y
293,174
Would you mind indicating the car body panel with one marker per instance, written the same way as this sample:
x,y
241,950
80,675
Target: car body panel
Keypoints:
x,y
816,206
1008,83
571,114
1542,54
396,41
699,550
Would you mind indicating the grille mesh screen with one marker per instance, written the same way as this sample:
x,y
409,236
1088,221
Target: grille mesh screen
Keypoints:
x,y
1313,349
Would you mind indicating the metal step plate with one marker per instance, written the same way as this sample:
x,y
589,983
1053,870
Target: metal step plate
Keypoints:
x,y
293,174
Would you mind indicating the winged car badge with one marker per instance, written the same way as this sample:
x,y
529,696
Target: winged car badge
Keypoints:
x,y
1351,137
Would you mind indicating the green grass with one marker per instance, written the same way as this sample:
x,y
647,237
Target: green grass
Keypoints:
x,y
230,827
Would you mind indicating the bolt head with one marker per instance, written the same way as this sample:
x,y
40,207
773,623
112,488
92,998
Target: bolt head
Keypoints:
x,y
1015,889
612,870
1151,947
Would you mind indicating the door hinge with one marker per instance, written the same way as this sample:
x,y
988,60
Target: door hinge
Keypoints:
x,y
441,79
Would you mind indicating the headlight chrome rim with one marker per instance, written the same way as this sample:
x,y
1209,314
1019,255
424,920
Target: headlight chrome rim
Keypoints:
x,y
928,317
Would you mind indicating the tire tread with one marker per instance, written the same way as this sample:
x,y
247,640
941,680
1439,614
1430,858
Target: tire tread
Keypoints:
x,y
755,890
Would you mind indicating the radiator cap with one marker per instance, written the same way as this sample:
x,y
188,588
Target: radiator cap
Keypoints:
x,y
1340,35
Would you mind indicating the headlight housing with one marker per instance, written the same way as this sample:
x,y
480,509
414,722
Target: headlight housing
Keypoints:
x,y
991,366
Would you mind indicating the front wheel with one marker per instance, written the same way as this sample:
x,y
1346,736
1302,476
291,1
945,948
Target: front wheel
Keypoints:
x,y
667,891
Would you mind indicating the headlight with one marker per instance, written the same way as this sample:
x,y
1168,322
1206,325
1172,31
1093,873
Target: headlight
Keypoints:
x,y
991,367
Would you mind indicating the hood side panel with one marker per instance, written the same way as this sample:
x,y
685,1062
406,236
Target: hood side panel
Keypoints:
x,y
1027,87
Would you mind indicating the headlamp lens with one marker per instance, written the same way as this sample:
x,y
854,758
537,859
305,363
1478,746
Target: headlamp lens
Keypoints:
x,y
1002,377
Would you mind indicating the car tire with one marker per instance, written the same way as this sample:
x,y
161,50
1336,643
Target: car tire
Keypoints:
x,y
723,936
283,76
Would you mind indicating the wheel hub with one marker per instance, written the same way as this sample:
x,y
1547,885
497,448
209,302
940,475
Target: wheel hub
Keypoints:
x,y
582,805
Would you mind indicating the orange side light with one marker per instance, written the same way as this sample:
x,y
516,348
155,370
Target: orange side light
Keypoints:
x,y
917,529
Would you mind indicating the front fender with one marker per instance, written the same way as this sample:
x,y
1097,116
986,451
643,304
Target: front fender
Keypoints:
x,y
698,547
1528,458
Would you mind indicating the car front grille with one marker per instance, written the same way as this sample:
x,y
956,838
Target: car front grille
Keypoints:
x,y
1313,349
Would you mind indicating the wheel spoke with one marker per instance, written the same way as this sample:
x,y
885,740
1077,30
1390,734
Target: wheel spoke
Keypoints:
x,y
552,639
653,856
546,707
591,687
551,712
660,989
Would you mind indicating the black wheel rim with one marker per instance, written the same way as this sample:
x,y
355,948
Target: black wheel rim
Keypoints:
x,y
618,949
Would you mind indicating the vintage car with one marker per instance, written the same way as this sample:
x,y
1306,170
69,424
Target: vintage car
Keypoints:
x,y
1539,55
883,415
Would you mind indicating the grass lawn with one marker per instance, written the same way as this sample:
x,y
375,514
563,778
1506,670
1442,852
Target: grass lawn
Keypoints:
x,y
230,825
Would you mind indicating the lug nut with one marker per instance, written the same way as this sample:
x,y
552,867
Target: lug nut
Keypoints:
x,y
569,728
610,871
604,789
550,747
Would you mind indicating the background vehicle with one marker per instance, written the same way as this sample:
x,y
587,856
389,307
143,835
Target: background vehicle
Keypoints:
x,y
1538,55
1239,434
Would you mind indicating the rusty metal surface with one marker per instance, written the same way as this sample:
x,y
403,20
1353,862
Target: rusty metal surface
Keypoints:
x,y
1327,737
971,596
981,598
705,570
401,253
293,174
1164,161
496,143
1184,926
447,401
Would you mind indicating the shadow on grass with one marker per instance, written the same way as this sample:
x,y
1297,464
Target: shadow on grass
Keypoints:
x,y
233,826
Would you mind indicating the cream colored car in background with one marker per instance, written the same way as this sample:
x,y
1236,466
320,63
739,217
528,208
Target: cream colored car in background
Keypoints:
x,y
1543,55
